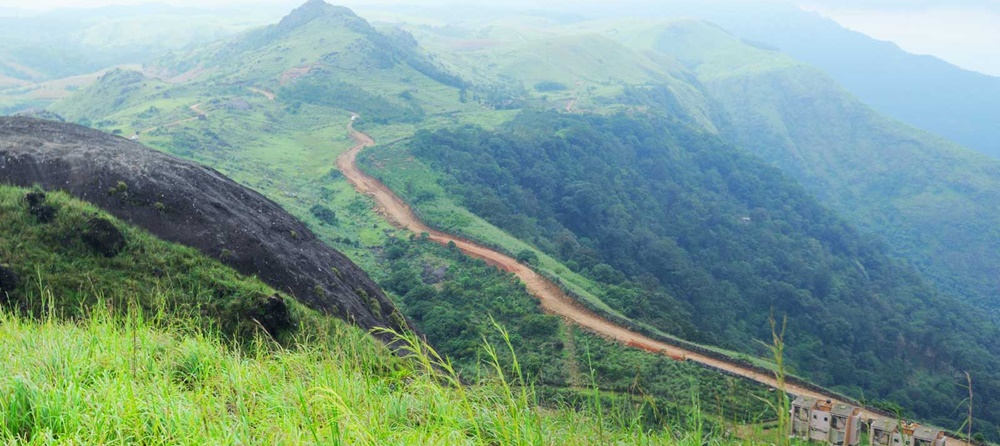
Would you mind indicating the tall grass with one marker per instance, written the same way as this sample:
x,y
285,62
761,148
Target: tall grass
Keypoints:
x,y
782,405
122,379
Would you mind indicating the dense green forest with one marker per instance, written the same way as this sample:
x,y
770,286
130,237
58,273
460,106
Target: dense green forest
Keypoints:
x,y
327,91
674,222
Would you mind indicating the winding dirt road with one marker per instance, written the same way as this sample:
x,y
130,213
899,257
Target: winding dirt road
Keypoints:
x,y
195,108
552,298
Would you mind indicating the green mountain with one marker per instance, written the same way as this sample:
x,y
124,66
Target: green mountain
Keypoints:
x,y
581,71
315,40
931,200
657,237
706,242
923,91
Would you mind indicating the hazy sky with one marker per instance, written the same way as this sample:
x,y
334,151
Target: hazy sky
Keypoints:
x,y
963,32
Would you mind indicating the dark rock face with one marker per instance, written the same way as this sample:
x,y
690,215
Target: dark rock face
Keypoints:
x,y
34,199
272,314
104,237
37,207
183,202
43,212
8,281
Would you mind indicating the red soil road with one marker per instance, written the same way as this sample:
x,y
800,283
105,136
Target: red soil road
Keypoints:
x,y
552,298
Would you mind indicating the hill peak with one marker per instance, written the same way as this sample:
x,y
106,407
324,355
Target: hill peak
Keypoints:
x,y
314,9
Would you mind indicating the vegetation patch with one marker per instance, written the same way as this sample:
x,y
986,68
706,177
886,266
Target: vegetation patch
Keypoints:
x,y
549,86
85,256
324,90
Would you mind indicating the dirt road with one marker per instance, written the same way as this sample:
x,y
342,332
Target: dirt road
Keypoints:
x,y
552,298
267,94
195,108
573,99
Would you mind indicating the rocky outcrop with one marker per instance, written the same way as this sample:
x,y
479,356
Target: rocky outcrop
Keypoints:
x,y
8,281
104,237
190,204
37,207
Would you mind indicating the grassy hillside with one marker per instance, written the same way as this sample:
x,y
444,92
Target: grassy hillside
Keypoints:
x,y
99,350
68,256
582,71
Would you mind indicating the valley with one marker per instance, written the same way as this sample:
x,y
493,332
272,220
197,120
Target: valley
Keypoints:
x,y
629,200
553,300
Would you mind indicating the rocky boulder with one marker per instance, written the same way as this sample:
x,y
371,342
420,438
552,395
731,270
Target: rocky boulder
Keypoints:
x,y
183,202
104,237
37,207
8,281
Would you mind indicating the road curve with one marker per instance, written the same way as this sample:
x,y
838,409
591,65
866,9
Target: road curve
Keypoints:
x,y
553,299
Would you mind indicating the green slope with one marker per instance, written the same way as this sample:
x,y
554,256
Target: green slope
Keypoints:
x,y
60,272
933,201
590,66
154,345
704,241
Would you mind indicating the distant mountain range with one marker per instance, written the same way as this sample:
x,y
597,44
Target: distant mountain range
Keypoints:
x,y
924,91
62,43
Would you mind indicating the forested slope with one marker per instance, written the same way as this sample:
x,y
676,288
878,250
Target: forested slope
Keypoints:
x,y
678,226
932,201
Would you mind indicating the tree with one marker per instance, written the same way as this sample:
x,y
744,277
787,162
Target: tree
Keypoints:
x,y
527,257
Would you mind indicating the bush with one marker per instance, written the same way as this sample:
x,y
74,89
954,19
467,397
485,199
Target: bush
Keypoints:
x,y
527,257
546,86
324,214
